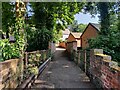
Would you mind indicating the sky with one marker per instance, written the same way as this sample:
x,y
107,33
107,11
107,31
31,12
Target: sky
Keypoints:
x,y
86,18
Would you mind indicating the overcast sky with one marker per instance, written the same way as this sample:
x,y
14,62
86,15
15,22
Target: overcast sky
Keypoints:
x,y
86,18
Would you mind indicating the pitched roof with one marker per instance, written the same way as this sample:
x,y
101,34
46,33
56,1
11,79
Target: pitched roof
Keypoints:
x,y
97,26
66,31
76,35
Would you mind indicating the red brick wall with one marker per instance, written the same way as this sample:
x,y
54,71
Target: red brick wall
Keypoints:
x,y
71,46
109,75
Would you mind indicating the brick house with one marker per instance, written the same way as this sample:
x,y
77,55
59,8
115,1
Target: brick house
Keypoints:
x,y
91,31
73,36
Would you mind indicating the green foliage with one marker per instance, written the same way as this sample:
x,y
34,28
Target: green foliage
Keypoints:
x,y
12,26
48,13
38,39
103,8
54,15
56,35
108,38
34,63
81,27
8,17
75,27
33,70
13,50
110,43
9,51
20,33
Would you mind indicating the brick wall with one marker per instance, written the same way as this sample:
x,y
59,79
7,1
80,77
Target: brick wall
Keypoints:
x,y
102,71
71,46
106,70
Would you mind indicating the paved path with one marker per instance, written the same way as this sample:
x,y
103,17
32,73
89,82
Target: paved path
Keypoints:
x,y
62,73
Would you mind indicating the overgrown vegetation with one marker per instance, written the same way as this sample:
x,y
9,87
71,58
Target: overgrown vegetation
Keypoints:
x,y
38,39
15,27
9,50
108,38
75,27
54,17
8,17
45,25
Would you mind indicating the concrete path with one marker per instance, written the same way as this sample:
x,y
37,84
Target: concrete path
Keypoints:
x,y
62,73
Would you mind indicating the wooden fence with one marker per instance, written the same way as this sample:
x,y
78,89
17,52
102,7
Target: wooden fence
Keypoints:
x,y
101,70
15,71
34,59
11,73
36,56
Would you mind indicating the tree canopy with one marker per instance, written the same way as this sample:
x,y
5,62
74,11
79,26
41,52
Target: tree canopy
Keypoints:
x,y
108,38
75,27
53,17
55,14
8,17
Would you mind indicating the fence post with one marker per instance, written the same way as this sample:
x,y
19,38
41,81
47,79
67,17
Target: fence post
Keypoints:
x,y
85,60
26,59
78,57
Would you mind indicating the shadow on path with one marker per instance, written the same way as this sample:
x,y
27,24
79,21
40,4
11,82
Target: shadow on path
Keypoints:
x,y
62,73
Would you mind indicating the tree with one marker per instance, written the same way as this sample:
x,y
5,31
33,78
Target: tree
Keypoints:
x,y
38,39
110,43
108,39
53,16
103,8
75,27
81,27
8,17
13,24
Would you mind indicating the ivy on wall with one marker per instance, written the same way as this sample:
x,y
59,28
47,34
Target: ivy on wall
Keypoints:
x,y
15,50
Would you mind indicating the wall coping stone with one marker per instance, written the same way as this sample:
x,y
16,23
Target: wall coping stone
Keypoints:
x,y
105,57
101,55
98,51
108,60
116,68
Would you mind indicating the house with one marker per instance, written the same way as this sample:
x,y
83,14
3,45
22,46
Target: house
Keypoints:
x,y
65,34
73,36
91,31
